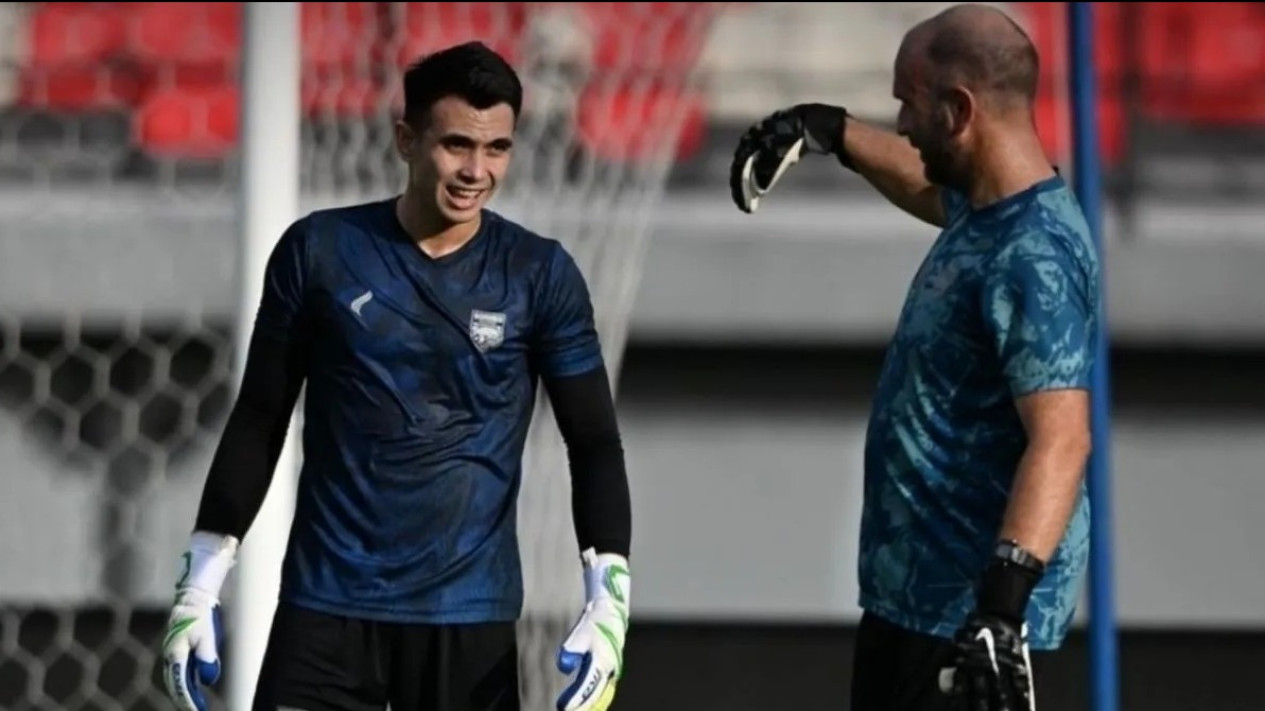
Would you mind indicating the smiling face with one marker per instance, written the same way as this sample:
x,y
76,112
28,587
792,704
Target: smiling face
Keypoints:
x,y
458,157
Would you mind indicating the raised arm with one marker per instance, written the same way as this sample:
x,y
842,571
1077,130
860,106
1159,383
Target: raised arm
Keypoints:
x,y
769,148
889,163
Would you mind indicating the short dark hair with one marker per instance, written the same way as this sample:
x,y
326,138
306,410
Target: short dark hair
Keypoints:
x,y
471,71
1005,64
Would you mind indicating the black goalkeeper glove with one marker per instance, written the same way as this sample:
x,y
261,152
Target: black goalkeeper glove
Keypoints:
x,y
993,668
777,142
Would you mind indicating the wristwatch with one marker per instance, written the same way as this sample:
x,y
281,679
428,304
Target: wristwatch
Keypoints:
x,y
1011,552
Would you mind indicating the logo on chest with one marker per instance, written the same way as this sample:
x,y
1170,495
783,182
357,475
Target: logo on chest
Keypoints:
x,y
487,329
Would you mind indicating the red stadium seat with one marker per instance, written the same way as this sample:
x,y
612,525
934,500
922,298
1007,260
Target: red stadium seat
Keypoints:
x,y
188,123
1204,63
648,37
354,53
186,44
1046,22
340,42
337,34
626,125
188,54
431,26
74,59
643,55
1042,20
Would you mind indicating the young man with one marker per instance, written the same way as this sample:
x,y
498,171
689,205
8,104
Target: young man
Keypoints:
x,y
974,532
421,325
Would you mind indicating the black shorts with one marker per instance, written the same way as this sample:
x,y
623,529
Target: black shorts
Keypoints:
x,y
320,662
895,669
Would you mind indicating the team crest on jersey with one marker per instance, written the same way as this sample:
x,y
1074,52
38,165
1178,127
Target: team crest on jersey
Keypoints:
x,y
487,329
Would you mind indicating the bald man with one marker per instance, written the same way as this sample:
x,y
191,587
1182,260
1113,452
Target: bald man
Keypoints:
x,y
975,527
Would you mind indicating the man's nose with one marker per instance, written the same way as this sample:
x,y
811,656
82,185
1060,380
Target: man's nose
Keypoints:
x,y
473,169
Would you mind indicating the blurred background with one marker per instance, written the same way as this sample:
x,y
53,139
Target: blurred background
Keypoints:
x,y
754,341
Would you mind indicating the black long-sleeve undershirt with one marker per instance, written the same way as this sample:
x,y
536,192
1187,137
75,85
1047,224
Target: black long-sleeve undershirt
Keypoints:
x,y
601,505
245,460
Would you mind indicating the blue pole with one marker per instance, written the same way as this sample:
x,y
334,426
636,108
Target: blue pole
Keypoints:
x,y
1087,182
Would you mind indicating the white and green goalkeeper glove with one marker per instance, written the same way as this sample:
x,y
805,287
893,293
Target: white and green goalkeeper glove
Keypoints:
x,y
594,651
191,647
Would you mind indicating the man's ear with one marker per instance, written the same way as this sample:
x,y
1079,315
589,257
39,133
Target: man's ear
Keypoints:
x,y
961,106
405,140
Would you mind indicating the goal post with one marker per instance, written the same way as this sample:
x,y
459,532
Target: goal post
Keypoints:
x,y
268,201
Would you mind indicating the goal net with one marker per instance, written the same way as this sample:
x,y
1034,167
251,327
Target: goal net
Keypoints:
x,y
118,276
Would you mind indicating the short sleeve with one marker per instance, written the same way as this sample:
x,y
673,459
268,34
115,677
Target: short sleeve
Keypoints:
x,y
1040,308
566,341
285,276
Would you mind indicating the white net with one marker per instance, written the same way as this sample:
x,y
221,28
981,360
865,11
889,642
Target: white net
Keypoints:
x,y
611,100
118,270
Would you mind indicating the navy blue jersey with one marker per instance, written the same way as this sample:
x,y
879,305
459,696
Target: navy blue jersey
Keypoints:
x,y
421,384
1004,305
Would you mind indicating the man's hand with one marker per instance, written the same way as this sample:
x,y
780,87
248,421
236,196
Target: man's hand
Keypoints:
x,y
993,669
769,148
191,654
594,650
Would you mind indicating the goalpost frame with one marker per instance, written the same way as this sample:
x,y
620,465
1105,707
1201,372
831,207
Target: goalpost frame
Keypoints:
x,y
267,202
1087,180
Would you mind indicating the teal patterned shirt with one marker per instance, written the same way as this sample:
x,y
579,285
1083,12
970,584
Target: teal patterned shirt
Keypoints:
x,y
1005,304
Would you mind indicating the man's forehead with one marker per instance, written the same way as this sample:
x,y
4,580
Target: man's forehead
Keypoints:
x,y
909,72
455,115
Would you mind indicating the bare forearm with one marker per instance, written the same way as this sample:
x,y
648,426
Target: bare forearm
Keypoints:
x,y
889,163
1044,494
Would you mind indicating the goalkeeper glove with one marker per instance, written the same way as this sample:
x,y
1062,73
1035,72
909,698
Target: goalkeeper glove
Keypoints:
x,y
993,666
594,650
191,646
769,148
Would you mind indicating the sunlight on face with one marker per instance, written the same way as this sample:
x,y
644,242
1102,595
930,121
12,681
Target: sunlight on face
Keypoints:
x,y
461,157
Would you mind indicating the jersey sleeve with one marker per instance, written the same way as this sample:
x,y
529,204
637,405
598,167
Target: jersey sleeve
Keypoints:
x,y
566,342
285,277
1040,308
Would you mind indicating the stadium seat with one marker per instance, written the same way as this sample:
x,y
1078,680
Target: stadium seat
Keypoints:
x,y
185,44
1204,63
75,60
1041,20
1111,71
340,45
354,53
188,55
431,26
626,124
646,37
643,56
197,123
1046,22
337,34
